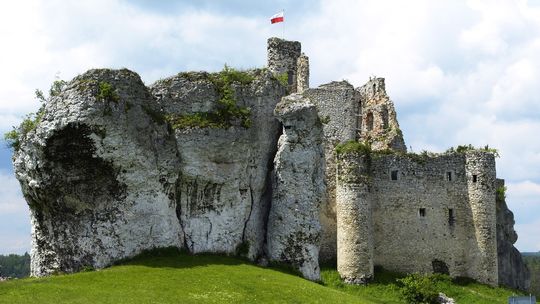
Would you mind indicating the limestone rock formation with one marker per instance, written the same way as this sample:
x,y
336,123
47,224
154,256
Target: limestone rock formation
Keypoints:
x,y
97,187
294,230
513,272
223,190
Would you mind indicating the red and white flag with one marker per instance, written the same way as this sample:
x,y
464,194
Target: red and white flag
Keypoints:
x,y
277,18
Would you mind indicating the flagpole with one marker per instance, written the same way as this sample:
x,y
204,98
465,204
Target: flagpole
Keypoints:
x,y
283,27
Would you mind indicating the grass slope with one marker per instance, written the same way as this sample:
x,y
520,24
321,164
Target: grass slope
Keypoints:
x,y
172,277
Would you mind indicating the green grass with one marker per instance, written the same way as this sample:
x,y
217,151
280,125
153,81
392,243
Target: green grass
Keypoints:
x,y
385,288
174,278
168,276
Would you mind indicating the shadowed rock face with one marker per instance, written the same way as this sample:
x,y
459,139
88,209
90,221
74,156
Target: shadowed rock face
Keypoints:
x,y
513,272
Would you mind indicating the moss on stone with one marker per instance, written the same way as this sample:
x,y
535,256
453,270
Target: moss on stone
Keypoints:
x,y
14,137
353,147
106,92
227,113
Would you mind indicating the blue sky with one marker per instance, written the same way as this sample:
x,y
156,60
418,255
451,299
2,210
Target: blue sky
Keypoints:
x,y
459,72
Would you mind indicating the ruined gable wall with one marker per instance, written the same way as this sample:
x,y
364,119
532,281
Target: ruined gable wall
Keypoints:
x,y
377,119
408,242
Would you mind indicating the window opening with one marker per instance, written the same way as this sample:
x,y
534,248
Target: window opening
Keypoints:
x,y
369,121
422,212
394,174
449,176
474,178
451,218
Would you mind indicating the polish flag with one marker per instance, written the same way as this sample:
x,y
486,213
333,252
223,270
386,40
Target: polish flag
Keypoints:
x,y
277,18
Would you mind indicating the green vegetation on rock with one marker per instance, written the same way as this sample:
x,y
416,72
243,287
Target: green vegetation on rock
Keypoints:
x,y
228,113
469,147
353,146
106,92
31,121
283,79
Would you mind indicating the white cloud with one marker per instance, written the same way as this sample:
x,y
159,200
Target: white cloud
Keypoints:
x,y
528,240
11,199
14,217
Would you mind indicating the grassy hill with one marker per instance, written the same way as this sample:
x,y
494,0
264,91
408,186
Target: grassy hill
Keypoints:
x,y
172,277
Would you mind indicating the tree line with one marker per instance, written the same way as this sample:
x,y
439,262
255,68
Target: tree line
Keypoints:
x,y
14,265
533,261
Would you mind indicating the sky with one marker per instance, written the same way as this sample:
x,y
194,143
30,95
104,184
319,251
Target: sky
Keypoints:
x,y
459,72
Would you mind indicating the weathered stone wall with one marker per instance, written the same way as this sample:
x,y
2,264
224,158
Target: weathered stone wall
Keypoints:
x,y
294,231
480,167
282,59
428,218
337,103
513,272
302,68
223,190
354,218
377,119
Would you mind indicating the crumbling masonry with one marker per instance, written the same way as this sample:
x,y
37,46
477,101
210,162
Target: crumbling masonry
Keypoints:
x,y
258,165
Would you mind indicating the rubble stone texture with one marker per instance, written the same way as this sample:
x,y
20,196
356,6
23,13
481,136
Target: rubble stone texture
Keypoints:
x,y
107,174
354,219
377,121
293,225
303,73
283,59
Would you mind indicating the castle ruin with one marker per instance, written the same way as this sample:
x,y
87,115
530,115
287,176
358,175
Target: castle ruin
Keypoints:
x,y
290,173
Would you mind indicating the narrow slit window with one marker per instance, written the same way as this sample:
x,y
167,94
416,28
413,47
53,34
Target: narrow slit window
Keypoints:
x,y
422,212
451,218
394,174
474,178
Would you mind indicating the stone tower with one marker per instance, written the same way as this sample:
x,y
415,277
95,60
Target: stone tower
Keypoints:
x,y
480,174
283,58
354,218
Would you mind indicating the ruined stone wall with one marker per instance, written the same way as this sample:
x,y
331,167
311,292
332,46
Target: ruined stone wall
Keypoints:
x,y
426,219
337,103
302,82
377,119
354,218
283,59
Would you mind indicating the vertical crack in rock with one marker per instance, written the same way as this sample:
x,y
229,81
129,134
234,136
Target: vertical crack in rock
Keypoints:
x,y
178,199
249,215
